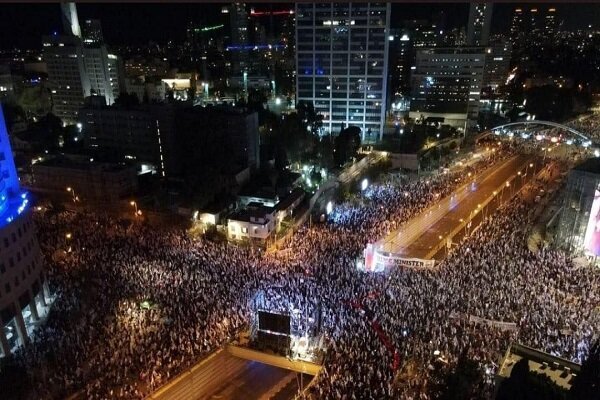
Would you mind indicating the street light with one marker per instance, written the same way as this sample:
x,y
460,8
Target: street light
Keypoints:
x,y
134,204
72,191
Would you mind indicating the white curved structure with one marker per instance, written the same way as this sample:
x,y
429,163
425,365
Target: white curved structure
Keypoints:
x,y
585,140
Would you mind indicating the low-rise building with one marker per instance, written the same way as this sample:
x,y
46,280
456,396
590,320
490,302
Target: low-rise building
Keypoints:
x,y
88,180
264,196
285,208
254,222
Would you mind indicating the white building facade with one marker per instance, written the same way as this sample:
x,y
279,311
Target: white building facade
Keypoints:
x,y
342,64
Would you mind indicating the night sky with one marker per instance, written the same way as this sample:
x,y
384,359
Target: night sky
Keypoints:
x,y
22,25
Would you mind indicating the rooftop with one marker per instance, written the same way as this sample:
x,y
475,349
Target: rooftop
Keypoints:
x,y
294,195
250,214
64,162
559,370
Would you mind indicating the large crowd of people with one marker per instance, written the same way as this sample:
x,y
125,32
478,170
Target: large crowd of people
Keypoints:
x,y
136,305
588,125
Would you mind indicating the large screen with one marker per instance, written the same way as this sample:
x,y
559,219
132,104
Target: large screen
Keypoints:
x,y
272,322
591,241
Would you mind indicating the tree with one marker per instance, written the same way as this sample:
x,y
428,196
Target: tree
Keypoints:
x,y
309,116
295,138
127,100
347,144
586,385
465,382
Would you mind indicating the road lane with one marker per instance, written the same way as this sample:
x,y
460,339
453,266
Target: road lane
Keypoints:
x,y
419,236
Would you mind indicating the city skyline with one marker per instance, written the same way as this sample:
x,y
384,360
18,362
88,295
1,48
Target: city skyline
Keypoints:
x,y
21,28
326,201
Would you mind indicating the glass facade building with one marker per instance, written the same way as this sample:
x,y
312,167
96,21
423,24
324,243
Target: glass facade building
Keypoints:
x,y
342,63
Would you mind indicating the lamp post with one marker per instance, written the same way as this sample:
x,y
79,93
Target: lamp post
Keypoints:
x,y
137,212
73,194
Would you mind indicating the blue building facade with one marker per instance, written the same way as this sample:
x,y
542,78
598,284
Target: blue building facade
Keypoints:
x,y
24,295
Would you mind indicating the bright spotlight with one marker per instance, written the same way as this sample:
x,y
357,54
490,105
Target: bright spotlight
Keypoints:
x,y
364,184
329,208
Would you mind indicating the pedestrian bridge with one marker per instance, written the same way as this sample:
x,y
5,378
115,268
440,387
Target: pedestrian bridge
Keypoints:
x,y
521,129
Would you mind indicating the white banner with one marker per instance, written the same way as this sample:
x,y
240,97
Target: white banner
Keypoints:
x,y
392,260
505,326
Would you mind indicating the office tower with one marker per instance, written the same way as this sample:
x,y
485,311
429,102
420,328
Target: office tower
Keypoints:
x,y
532,23
423,33
23,288
497,63
517,26
550,22
92,32
79,66
342,63
238,18
400,47
67,75
70,20
480,20
446,84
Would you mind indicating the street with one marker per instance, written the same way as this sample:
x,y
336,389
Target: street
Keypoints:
x,y
420,237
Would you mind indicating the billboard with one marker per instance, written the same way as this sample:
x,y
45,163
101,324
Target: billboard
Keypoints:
x,y
591,241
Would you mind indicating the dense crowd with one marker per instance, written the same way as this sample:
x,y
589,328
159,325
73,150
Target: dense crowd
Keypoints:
x,y
589,125
136,305
383,207
539,299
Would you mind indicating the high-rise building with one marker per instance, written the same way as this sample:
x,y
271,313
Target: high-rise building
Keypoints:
x,y
517,26
133,133
535,22
497,63
550,24
342,63
399,63
92,32
423,33
480,20
238,18
446,84
24,292
67,76
70,20
79,66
